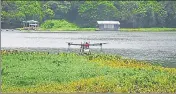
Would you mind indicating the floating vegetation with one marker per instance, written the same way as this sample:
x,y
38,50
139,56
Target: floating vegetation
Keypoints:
x,y
31,72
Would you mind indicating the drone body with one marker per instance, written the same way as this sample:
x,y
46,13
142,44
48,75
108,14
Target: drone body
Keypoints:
x,y
84,47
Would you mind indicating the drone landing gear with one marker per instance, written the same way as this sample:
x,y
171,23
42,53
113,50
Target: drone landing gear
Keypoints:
x,y
85,51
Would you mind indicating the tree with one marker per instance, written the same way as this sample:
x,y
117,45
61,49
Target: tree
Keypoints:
x,y
60,8
86,13
170,8
17,11
143,13
92,11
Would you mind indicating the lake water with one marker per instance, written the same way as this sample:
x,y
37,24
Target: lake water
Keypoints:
x,y
153,46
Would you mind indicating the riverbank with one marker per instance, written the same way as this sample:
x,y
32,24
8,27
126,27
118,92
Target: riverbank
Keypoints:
x,y
69,72
148,29
96,29
61,29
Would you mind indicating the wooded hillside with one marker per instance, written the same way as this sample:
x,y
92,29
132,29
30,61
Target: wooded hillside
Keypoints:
x,y
137,14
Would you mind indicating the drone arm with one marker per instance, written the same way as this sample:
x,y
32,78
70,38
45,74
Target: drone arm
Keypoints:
x,y
94,44
76,44
97,44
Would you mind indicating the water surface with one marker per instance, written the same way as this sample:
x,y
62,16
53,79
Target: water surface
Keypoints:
x,y
153,46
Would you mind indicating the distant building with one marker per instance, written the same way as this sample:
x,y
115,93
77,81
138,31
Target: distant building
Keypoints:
x,y
108,25
30,25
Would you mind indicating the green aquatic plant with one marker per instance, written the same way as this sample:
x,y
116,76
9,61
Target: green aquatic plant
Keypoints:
x,y
31,72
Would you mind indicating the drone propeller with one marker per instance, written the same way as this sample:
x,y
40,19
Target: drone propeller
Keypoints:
x,y
104,43
100,43
69,42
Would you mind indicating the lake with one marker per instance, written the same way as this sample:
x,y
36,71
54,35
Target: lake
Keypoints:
x,y
157,47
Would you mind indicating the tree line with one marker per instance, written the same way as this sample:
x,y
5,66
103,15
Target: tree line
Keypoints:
x,y
131,14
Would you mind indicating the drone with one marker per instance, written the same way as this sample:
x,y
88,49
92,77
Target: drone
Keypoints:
x,y
84,47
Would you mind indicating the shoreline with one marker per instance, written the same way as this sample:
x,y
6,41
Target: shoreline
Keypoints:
x,y
95,29
105,51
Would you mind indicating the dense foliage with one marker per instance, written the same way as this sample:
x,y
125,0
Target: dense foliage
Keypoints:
x,y
27,72
57,24
86,13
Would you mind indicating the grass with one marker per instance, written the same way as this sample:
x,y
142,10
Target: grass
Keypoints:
x,y
121,29
60,29
62,25
147,29
67,29
31,72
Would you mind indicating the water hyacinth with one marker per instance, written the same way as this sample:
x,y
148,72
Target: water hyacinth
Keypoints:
x,y
31,72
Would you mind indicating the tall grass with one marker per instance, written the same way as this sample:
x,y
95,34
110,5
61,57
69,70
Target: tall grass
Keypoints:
x,y
54,24
62,25
42,72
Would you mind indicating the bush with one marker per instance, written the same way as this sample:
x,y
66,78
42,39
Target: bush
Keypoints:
x,y
50,24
